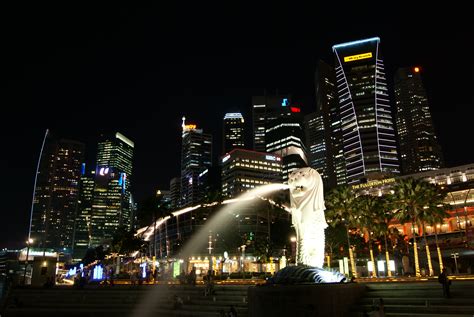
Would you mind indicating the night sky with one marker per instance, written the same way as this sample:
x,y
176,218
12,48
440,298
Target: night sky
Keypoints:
x,y
84,70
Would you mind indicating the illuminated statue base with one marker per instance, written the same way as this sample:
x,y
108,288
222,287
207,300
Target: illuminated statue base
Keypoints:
x,y
303,274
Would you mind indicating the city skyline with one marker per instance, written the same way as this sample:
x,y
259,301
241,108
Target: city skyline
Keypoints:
x,y
76,84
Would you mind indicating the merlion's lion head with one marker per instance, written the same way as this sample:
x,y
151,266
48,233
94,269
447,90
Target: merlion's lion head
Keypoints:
x,y
306,189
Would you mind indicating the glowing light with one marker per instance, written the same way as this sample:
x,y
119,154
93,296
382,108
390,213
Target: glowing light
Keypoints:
x,y
381,266
284,102
372,39
370,266
417,69
391,265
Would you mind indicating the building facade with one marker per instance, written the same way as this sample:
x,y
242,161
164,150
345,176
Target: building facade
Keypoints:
x,y
56,194
243,170
233,132
323,130
265,109
196,157
419,147
82,228
112,205
368,131
285,137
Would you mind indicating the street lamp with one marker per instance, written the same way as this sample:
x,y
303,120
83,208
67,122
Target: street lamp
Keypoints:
x,y
293,247
455,256
28,243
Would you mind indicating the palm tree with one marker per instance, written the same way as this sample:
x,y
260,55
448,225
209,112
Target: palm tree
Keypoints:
x,y
382,227
412,200
434,214
369,211
341,208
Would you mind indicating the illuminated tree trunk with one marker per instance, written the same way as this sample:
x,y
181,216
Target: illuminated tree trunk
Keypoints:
x,y
387,257
415,251
351,254
440,258
374,270
428,254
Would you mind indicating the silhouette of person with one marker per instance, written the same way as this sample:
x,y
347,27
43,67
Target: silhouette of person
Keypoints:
x,y
445,282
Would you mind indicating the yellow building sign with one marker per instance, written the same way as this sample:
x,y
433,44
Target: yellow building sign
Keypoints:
x,y
357,57
374,183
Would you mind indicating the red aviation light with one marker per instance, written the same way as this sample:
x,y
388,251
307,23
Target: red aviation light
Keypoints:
x,y
295,109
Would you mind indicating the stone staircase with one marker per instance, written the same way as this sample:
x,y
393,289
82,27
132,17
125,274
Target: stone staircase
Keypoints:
x,y
418,299
122,300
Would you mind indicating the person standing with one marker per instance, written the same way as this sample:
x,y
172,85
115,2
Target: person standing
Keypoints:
x,y
445,282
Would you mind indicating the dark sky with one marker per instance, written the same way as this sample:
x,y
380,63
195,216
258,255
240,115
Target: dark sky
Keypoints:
x,y
82,70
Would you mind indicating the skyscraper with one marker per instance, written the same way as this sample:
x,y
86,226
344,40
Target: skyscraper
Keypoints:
x,y
265,109
112,206
368,133
284,137
419,147
233,136
323,130
196,158
56,196
82,226
175,192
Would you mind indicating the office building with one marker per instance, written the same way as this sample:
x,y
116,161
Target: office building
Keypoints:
x,y
112,202
368,132
233,132
284,137
196,158
265,109
82,227
243,170
175,192
323,130
419,147
56,195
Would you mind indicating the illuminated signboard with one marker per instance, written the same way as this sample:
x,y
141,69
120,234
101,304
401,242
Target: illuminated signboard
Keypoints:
x,y
374,183
225,158
284,102
272,158
190,126
295,109
357,57
103,171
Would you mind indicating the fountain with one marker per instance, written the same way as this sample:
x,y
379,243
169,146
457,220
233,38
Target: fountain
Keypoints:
x,y
307,210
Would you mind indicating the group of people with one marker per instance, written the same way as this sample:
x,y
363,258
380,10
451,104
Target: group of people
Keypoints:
x,y
189,279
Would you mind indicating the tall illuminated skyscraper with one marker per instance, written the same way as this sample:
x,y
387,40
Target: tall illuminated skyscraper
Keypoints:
x,y
82,226
323,130
419,147
196,159
56,195
265,109
368,133
284,136
233,132
112,204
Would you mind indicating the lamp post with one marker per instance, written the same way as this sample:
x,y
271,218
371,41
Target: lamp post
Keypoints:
x,y
28,242
455,256
293,247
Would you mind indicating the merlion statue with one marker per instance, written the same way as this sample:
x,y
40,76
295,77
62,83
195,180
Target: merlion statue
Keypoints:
x,y
307,215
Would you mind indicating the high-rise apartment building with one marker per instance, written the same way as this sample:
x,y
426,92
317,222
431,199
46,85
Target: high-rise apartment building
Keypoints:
x,y
419,147
233,132
243,170
323,130
264,110
56,194
368,132
112,204
196,158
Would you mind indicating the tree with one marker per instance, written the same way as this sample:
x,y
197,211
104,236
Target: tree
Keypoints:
x,y
341,208
414,200
369,211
